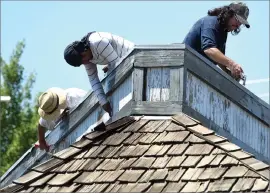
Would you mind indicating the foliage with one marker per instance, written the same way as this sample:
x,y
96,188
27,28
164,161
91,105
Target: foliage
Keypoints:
x,y
18,117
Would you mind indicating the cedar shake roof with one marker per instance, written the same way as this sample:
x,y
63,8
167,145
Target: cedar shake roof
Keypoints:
x,y
148,154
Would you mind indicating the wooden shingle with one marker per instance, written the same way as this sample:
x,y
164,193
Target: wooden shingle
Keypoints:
x,y
215,138
229,147
127,163
221,185
156,187
236,172
175,137
12,188
173,187
191,187
83,142
194,139
146,176
217,160
66,153
135,151
94,151
149,156
48,165
133,139
205,161
260,185
86,188
151,126
29,177
190,173
229,161
108,176
184,120
99,188
143,162
174,175
174,127
241,154
42,181
110,164
178,149
140,187
176,161
255,164
199,149
161,162
159,175
68,189
163,127
137,125
191,161
148,138
91,164
243,185
76,165
126,188
131,175
201,130
116,139
61,179
212,173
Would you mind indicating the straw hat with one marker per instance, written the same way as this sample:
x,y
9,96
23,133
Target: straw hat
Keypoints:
x,y
52,103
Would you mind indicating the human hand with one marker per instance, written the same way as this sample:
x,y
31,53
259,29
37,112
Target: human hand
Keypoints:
x,y
43,145
107,107
237,71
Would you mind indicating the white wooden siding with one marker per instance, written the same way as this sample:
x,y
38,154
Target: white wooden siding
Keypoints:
x,y
227,115
158,84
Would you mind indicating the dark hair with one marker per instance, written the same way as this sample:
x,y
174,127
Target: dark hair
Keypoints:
x,y
72,52
224,14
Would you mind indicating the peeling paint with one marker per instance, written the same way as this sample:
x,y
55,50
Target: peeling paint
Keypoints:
x,y
227,115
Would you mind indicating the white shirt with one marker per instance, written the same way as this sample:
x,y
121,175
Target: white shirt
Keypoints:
x,y
107,49
74,97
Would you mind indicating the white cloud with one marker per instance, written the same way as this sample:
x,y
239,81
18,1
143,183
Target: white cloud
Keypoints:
x,y
256,81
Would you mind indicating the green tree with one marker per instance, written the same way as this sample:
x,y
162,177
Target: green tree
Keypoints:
x,y
18,117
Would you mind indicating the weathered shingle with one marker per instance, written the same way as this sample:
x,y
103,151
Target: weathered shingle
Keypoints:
x,y
148,156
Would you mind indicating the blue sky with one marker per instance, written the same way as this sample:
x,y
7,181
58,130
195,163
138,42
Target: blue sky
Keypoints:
x,y
48,26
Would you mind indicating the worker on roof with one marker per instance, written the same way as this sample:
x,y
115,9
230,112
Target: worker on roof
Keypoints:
x,y
208,35
53,106
98,48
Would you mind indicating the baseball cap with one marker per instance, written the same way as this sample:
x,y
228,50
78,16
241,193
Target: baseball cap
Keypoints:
x,y
241,12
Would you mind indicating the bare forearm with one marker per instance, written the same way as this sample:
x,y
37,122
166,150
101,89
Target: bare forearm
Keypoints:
x,y
219,57
41,133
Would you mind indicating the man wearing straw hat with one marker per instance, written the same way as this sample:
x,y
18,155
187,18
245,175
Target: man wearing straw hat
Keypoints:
x,y
98,48
53,105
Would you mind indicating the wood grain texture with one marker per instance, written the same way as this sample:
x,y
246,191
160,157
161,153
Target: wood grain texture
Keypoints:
x,y
155,108
176,84
159,58
227,115
138,84
158,84
153,91
231,89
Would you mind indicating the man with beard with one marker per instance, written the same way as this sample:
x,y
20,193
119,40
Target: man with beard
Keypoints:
x,y
208,35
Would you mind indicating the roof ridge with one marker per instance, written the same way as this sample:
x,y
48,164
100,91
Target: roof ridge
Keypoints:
x,y
196,133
